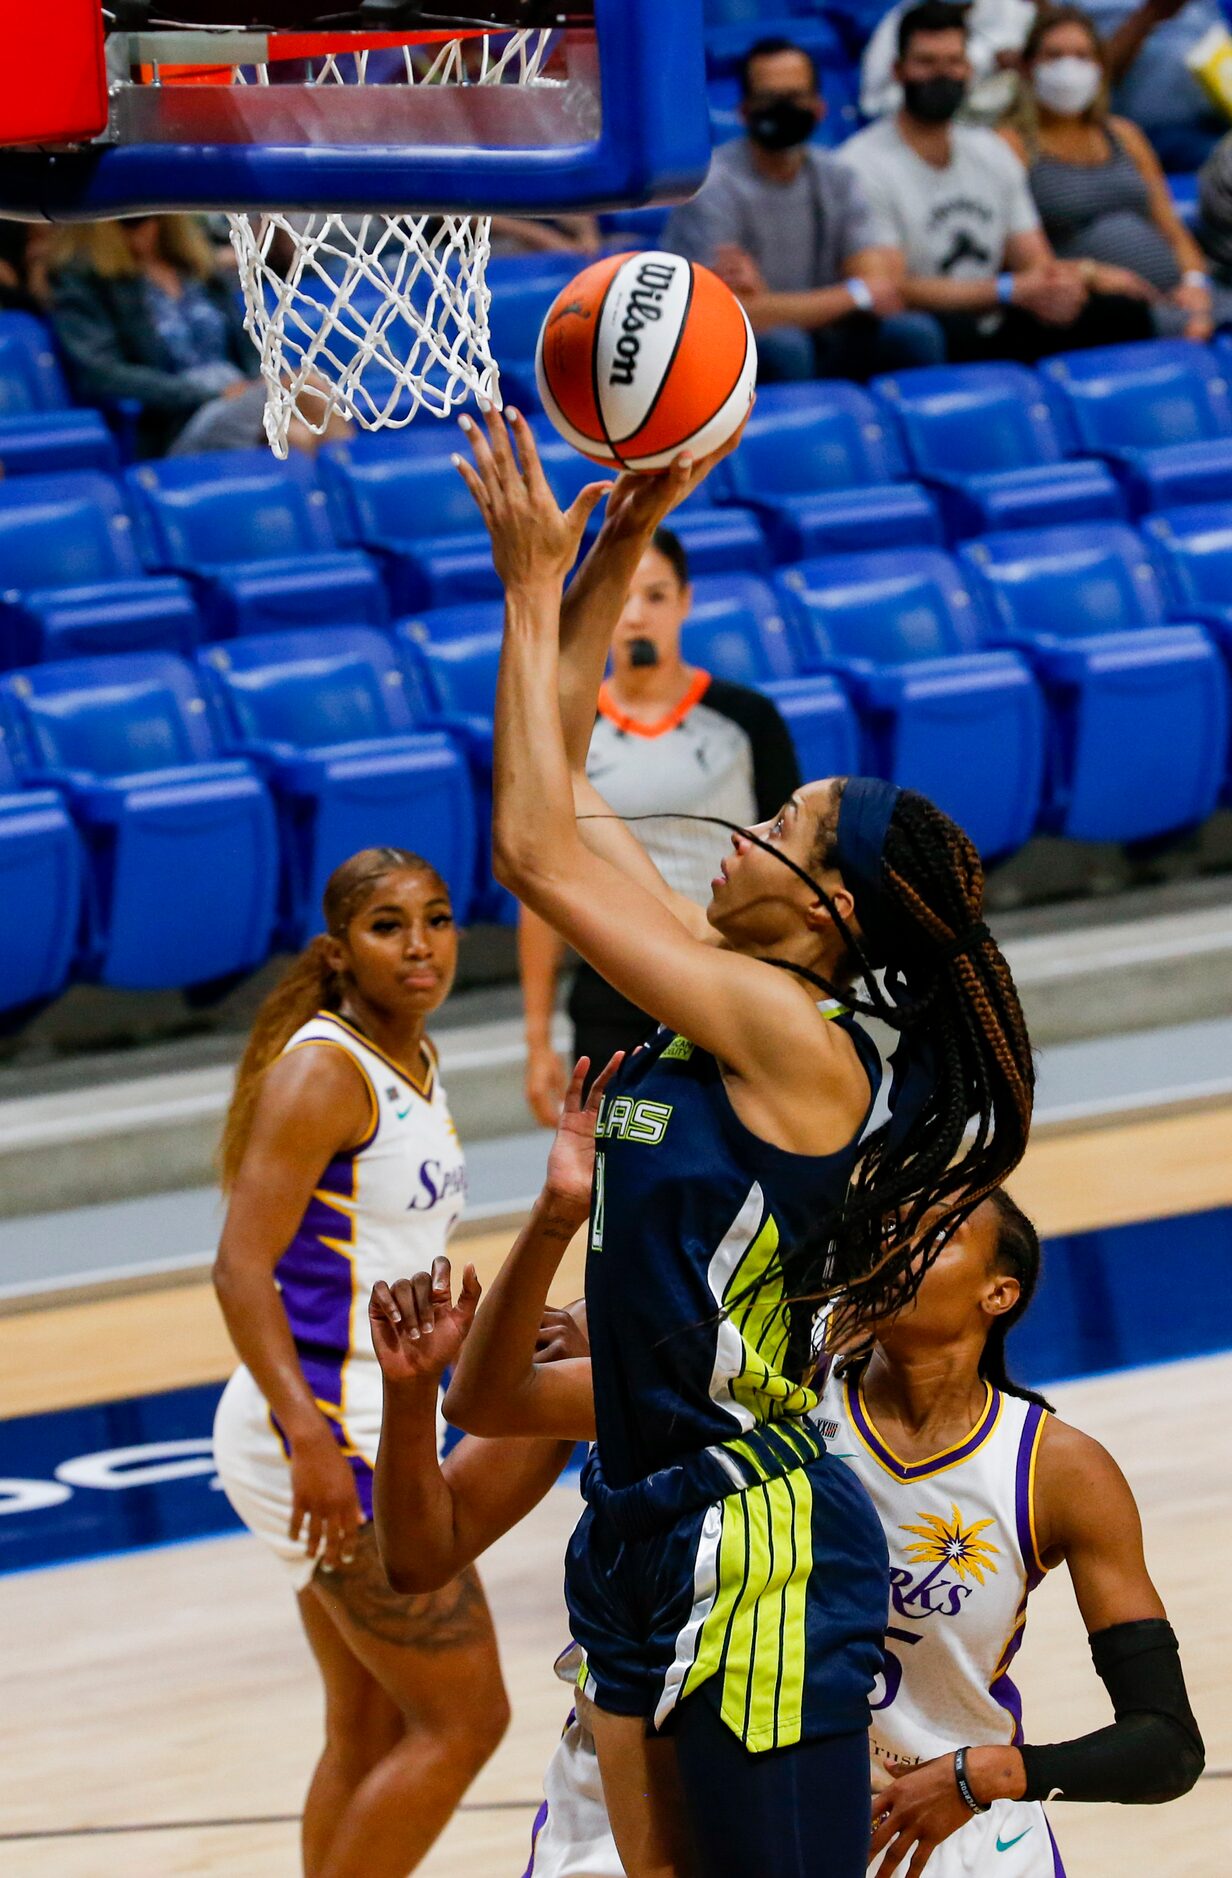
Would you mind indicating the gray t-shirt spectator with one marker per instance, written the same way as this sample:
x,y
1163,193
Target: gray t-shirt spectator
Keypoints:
x,y
953,221
801,234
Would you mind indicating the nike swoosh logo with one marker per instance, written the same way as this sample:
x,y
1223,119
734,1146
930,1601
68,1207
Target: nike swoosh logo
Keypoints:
x,y
1003,1845
403,1113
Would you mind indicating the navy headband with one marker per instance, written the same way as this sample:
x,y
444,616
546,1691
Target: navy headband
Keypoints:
x,y
864,814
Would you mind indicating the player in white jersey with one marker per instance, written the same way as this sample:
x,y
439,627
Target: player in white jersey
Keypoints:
x,y
343,1167
979,1489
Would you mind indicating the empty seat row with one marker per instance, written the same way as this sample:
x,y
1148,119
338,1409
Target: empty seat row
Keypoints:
x,y
1055,678
165,826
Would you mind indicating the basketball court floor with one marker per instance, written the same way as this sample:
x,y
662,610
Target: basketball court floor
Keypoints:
x,y
161,1714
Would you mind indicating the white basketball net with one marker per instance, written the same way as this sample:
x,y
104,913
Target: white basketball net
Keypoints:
x,y
375,317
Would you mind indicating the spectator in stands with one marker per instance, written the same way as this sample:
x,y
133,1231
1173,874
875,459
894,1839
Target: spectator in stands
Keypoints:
x,y
669,741
1145,47
789,230
546,234
955,198
25,249
996,30
1102,196
1215,210
1147,44
142,314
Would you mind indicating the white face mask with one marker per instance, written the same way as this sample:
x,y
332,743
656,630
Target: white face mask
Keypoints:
x,y
1067,86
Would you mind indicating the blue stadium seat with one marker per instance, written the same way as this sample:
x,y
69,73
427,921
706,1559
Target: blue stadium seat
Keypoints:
x,y
40,883
523,288
182,844
987,439
38,430
1139,707
823,469
1159,411
254,537
71,581
1192,548
822,722
732,26
717,538
942,711
736,630
324,712
451,655
411,511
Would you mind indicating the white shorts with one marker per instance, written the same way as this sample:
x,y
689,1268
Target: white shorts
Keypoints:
x,y
1011,1840
572,1837
256,1475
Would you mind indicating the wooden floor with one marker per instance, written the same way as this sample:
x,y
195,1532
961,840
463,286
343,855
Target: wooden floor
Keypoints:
x,y
160,1714
174,1686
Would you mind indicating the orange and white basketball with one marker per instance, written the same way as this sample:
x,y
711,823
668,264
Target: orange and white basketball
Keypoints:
x,y
644,355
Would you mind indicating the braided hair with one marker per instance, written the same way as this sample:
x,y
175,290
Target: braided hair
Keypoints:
x,y
964,1058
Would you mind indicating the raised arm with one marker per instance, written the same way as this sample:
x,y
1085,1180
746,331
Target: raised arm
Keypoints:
x,y
498,1387
435,1517
740,1009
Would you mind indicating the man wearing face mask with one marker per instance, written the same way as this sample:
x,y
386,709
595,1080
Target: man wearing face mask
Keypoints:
x,y
957,200
790,231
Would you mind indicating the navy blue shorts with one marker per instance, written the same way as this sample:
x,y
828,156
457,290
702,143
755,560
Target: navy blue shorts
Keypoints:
x,y
755,1572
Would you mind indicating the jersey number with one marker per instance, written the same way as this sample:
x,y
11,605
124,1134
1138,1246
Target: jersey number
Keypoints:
x,y
891,1669
596,1207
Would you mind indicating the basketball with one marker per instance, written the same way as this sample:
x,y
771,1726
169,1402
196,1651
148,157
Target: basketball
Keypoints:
x,y
644,355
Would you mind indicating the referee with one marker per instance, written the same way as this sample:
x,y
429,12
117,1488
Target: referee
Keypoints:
x,y
668,740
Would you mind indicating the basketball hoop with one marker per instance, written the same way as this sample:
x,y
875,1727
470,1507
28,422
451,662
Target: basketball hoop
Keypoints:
x,y
359,169
375,317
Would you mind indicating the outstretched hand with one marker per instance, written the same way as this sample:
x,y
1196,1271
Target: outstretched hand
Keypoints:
x,y
642,500
571,1158
533,539
417,1328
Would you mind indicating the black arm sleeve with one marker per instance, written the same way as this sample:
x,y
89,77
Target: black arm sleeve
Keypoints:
x,y
776,773
1153,1752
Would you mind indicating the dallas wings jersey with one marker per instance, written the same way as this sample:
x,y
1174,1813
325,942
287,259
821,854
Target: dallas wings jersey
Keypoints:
x,y
382,1210
690,1212
963,1561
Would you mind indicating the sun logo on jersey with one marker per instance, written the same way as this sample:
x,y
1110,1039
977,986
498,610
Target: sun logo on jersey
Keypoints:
x,y
949,1542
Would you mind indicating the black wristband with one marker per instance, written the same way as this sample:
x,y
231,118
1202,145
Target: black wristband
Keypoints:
x,y
964,1785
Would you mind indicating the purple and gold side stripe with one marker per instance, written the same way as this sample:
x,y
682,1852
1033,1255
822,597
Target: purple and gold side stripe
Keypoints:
x,y
316,1280
934,1463
1024,1493
1003,1691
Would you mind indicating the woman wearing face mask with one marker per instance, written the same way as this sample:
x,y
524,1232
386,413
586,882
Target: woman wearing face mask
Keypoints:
x,y
1102,196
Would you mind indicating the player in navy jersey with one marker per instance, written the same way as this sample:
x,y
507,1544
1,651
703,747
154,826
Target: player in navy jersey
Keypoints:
x,y
727,1574
979,1488
342,1167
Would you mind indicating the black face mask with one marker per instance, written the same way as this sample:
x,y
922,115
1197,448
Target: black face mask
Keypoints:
x,y
933,100
781,124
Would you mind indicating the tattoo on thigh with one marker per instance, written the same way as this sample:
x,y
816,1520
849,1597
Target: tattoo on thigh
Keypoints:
x,y
449,1619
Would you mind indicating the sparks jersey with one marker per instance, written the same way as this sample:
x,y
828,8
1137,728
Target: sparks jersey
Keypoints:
x,y
383,1210
963,1562
693,1224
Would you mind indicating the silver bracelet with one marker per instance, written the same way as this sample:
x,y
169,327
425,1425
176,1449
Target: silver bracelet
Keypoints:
x,y
964,1785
